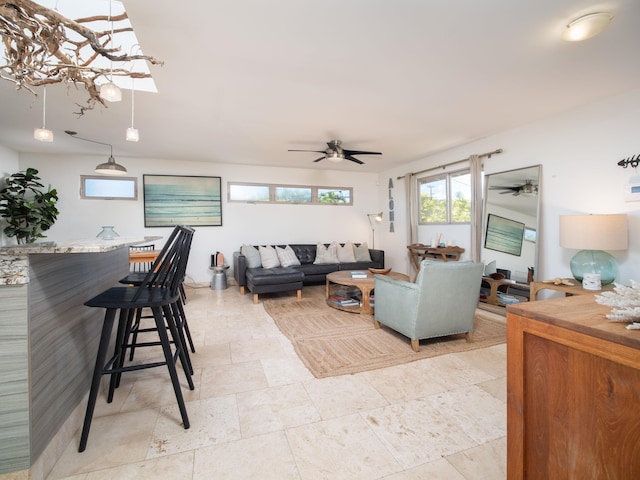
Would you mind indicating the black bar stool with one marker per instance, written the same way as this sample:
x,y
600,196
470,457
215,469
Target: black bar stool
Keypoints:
x,y
134,328
158,292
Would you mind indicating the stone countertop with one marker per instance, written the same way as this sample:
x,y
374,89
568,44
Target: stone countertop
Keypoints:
x,y
14,260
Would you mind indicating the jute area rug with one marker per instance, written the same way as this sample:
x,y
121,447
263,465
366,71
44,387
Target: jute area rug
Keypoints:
x,y
331,342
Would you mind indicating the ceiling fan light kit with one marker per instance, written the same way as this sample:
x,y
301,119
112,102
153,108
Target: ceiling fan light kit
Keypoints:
x,y
586,26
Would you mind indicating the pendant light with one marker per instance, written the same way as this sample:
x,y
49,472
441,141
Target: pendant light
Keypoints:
x,y
132,133
110,167
110,91
43,134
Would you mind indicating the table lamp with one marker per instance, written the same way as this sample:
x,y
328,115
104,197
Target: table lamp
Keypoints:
x,y
592,234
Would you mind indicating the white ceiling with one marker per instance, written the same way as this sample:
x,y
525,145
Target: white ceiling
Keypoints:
x,y
244,81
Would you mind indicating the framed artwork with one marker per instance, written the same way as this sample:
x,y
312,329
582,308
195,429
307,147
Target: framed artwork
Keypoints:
x,y
171,200
504,235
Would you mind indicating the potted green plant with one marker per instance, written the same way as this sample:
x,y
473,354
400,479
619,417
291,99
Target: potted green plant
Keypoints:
x,y
27,208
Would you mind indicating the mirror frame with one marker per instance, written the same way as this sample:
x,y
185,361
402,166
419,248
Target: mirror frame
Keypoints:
x,y
533,229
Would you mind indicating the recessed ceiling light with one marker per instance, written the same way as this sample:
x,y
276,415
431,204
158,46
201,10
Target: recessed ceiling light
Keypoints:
x,y
586,26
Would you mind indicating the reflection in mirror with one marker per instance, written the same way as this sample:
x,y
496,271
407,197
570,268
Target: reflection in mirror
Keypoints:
x,y
510,232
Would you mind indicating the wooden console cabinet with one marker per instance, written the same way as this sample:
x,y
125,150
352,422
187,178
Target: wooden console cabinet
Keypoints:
x,y
573,392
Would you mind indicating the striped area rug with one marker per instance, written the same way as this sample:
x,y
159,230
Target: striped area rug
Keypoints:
x,y
332,342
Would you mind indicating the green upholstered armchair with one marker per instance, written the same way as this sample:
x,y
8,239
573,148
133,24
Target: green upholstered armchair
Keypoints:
x,y
441,302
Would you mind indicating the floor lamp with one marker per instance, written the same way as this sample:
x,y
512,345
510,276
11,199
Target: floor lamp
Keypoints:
x,y
377,217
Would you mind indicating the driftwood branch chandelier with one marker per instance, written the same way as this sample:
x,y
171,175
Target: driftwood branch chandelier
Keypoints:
x,y
44,47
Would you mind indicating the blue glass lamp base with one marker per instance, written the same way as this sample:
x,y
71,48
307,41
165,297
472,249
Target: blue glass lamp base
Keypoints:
x,y
594,261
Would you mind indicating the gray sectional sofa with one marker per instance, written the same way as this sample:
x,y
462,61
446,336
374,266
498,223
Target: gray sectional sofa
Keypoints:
x,y
282,279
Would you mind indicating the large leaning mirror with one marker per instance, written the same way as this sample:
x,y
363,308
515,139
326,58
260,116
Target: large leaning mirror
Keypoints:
x,y
510,232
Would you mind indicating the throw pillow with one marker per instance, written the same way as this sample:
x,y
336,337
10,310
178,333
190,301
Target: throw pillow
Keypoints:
x,y
345,254
269,257
287,256
362,252
253,256
326,254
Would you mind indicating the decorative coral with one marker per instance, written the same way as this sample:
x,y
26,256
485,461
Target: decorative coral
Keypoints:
x,y
625,303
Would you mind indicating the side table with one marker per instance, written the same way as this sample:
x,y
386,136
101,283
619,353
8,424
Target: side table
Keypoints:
x,y
567,289
219,279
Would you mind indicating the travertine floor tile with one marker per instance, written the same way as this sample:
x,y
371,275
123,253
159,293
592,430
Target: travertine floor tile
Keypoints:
x,y
276,408
170,467
226,379
340,448
488,461
113,441
436,470
400,383
416,432
355,395
284,371
214,420
266,457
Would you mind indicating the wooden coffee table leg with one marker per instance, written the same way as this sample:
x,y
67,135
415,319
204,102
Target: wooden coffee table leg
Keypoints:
x,y
366,304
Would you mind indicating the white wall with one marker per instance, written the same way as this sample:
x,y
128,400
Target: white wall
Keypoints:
x,y
241,223
578,152
9,164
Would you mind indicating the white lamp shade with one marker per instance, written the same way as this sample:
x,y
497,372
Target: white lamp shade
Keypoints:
x,y
594,232
132,134
43,135
110,92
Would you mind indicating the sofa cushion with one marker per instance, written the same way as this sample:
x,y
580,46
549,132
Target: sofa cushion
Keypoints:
x,y
287,256
362,253
252,255
346,254
326,254
269,257
273,276
306,253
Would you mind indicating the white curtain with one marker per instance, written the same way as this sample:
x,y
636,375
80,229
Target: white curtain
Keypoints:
x,y
411,189
475,167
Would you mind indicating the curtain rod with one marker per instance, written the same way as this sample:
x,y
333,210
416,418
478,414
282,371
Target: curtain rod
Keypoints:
x,y
487,154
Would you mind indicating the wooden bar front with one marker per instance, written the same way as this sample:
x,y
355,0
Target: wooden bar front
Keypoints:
x,y
573,392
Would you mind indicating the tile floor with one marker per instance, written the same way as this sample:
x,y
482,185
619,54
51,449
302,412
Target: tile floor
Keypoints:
x,y
257,412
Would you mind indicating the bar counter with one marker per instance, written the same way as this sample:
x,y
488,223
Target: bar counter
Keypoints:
x,y
48,342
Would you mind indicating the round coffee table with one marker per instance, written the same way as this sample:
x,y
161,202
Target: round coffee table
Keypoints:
x,y
365,285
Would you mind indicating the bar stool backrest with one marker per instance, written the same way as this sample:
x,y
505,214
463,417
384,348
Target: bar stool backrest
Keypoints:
x,y
169,268
141,266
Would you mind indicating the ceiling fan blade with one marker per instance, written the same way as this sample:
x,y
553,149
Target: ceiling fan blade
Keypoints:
x,y
360,152
506,191
316,151
504,188
353,159
321,158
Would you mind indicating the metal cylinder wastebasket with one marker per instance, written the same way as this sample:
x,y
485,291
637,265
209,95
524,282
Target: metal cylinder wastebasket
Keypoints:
x,y
219,279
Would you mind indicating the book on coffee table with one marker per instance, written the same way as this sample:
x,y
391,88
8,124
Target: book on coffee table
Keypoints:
x,y
359,274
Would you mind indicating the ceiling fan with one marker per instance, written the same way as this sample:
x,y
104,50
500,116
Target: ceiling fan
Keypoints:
x,y
527,188
335,153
